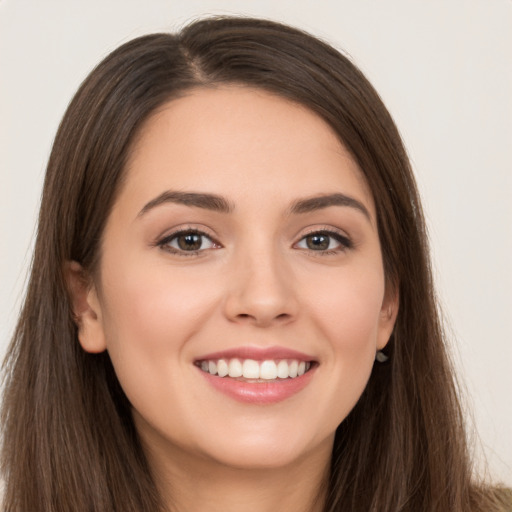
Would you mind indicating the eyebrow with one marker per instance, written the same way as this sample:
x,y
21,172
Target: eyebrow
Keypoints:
x,y
220,204
324,201
198,200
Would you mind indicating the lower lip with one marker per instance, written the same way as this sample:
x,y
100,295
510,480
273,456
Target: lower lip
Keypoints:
x,y
259,392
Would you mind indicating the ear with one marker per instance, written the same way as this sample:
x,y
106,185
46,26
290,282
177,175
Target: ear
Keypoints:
x,y
86,308
388,314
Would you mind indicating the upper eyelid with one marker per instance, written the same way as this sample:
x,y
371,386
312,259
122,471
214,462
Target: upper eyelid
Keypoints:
x,y
324,229
169,234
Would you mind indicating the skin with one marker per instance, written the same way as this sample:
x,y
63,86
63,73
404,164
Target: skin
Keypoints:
x,y
254,282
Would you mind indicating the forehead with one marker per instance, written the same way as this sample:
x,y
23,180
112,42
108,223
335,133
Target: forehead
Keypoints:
x,y
244,141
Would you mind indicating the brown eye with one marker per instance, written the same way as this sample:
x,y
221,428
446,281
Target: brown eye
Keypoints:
x,y
325,241
187,242
318,242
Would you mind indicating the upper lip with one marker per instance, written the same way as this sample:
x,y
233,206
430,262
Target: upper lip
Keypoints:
x,y
257,353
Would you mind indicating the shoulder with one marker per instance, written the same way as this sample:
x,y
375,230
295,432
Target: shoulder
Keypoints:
x,y
491,499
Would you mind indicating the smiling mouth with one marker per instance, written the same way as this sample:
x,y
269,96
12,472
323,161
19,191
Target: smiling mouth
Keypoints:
x,y
250,370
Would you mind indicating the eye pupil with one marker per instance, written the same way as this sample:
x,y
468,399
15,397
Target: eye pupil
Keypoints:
x,y
317,242
190,242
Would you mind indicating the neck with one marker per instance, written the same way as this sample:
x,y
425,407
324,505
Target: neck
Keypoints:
x,y
199,485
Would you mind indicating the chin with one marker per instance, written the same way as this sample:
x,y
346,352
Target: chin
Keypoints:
x,y
260,451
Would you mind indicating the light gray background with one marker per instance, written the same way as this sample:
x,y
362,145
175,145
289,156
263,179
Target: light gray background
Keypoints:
x,y
443,68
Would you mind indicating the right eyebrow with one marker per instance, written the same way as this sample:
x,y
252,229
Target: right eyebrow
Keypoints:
x,y
194,199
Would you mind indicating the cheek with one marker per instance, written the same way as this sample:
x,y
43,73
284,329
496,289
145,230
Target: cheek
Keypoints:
x,y
149,315
155,305
150,318
346,311
347,307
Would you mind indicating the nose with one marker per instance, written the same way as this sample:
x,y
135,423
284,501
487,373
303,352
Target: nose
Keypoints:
x,y
261,291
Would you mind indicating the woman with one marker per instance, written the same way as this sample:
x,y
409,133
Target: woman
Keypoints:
x,y
231,303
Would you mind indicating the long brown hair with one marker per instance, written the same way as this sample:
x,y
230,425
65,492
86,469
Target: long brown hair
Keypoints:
x,y
69,442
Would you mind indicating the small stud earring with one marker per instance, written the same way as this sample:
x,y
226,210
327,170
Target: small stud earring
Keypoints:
x,y
380,357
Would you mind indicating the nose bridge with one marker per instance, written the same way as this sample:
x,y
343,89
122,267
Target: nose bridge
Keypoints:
x,y
261,290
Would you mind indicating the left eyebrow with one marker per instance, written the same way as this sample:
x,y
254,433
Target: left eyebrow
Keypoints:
x,y
324,201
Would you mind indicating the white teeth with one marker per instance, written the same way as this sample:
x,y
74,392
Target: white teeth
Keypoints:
x,y
292,369
268,370
251,369
222,368
282,370
235,368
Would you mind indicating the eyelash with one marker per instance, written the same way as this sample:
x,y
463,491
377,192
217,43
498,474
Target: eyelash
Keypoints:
x,y
344,242
165,242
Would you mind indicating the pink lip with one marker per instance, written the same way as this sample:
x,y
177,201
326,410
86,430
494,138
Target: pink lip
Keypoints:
x,y
258,392
257,353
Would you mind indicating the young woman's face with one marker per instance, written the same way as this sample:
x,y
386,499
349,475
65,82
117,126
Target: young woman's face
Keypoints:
x,y
243,241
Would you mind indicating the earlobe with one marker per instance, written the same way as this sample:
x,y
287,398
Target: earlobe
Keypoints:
x,y
86,308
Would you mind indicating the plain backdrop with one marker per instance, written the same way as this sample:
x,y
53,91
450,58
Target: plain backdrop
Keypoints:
x,y
443,68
